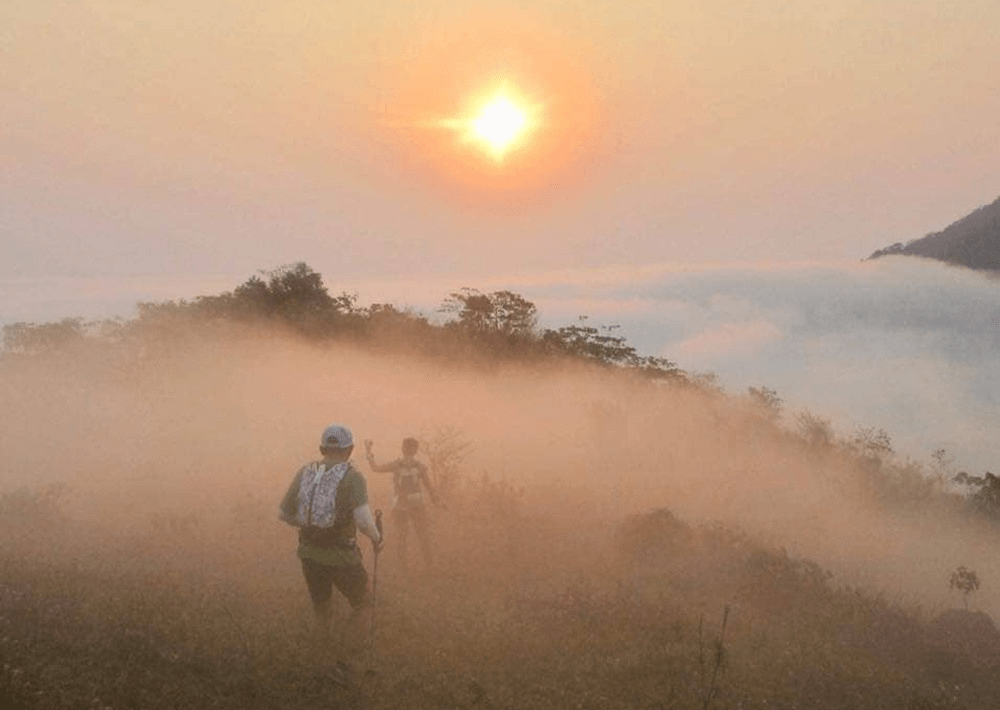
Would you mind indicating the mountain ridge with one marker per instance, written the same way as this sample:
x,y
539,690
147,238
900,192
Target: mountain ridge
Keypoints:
x,y
973,242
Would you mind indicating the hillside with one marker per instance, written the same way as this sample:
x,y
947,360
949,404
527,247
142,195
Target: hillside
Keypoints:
x,y
613,534
973,242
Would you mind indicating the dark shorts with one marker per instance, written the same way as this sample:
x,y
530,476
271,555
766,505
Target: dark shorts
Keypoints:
x,y
350,580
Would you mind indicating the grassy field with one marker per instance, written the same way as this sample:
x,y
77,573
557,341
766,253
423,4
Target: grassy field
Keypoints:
x,y
520,610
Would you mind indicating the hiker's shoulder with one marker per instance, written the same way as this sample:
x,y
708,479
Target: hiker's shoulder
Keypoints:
x,y
353,473
354,486
305,468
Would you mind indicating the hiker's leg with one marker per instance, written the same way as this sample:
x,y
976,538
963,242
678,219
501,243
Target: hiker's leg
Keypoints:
x,y
319,580
419,517
401,518
352,582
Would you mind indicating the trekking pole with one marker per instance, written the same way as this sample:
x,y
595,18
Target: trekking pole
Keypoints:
x,y
371,628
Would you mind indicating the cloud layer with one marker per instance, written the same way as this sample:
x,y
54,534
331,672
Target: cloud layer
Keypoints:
x,y
903,344
907,345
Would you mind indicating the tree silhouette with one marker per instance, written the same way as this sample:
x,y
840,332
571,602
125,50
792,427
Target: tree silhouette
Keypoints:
x,y
985,496
588,342
767,401
27,338
500,313
964,580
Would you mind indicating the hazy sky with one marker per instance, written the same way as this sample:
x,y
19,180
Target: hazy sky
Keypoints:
x,y
154,151
225,136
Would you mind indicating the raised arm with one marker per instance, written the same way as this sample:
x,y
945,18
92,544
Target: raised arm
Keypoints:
x,y
377,467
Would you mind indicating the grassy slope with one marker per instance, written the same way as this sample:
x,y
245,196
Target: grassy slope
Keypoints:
x,y
520,613
544,607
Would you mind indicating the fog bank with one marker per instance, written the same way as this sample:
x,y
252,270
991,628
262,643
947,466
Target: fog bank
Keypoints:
x,y
178,428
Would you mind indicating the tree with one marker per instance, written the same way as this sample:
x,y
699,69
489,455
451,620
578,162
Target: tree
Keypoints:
x,y
499,313
659,368
388,324
767,401
513,314
588,342
815,430
873,445
292,291
985,495
27,338
293,294
943,464
446,449
600,346
965,580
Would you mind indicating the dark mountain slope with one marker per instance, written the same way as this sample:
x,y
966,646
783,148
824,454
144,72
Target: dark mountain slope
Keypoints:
x,y
973,242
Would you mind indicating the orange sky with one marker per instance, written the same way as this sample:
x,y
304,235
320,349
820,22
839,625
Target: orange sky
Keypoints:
x,y
167,150
227,136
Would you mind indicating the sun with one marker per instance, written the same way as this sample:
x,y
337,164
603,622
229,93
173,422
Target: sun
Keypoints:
x,y
499,124
492,110
494,124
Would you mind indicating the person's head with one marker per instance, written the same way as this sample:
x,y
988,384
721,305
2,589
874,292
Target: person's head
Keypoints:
x,y
410,446
337,442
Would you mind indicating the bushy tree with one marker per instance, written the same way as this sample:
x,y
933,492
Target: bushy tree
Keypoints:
x,y
872,444
600,345
815,430
984,496
500,312
966,581
767,402
293,294
31,338
587,341
500,323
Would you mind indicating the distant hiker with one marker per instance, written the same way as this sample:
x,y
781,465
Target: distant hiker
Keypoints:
x,y
328,502
410,482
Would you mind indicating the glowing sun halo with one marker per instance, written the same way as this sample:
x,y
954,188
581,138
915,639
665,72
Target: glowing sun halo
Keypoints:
x,y
499,124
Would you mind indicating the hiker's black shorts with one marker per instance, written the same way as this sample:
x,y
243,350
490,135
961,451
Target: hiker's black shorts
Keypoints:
x,y
350,580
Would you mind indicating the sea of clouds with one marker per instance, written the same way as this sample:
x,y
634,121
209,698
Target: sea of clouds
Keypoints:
x,y
907,345
902,344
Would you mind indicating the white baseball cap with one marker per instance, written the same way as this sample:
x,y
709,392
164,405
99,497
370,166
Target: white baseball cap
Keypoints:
x,y
337,436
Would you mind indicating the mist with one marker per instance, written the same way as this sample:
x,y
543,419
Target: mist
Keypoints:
x,y
908,345
177,430
903,344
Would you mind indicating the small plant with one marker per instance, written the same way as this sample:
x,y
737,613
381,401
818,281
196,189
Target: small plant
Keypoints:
x,y
767,401
446,450
965,580
711,688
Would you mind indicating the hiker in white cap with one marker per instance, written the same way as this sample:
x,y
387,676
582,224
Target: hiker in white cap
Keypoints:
x,y
328,503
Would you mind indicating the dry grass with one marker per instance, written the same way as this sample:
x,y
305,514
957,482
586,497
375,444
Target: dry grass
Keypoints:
x,y
520,612
142,564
